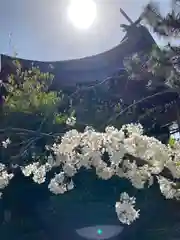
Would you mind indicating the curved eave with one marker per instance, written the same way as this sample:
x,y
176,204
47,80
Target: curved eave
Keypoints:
x,y
90,68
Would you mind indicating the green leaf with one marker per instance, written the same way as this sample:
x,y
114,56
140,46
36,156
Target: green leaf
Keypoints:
x,y
171,141
59,118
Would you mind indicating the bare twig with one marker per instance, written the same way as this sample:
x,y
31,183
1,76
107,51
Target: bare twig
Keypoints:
x,y
138,102
30,132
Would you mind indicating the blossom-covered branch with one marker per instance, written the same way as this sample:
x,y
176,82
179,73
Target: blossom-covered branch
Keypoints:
x,y
126,153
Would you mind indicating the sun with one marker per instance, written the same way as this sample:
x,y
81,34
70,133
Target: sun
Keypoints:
x,y
82,13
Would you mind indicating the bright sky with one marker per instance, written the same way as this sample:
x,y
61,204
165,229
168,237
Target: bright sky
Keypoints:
x,y
41,30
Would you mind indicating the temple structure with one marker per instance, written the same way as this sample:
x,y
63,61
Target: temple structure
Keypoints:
x,y
92,68
95,69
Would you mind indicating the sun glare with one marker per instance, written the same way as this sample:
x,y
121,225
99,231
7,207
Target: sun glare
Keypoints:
x,y
82,13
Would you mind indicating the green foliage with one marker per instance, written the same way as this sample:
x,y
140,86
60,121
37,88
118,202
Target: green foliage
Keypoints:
x,y
27,92
60,118
166,26
30,115
171,141
159,68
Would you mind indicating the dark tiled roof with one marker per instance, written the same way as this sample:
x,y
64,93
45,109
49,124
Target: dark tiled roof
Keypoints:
x,y
90,68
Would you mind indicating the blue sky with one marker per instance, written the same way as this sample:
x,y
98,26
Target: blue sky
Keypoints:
x,y
40,29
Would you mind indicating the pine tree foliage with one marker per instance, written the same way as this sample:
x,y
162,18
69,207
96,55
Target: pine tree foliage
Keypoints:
x,y
160,68
168,26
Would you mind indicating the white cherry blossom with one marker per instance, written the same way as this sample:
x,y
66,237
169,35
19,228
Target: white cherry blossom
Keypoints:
x,y
126,153
6,143
125,209
71,121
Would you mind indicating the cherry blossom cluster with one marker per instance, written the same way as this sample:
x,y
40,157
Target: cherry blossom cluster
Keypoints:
x,y
71,121
126,153
37,170
57,184
125,209
5,177
131,154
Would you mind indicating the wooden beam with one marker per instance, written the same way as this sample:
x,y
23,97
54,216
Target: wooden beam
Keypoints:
x,y
126,16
